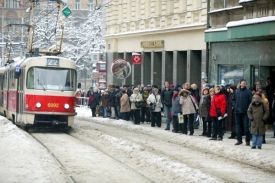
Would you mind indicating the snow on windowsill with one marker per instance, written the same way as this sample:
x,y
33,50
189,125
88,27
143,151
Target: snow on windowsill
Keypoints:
x,y
216,30
226,9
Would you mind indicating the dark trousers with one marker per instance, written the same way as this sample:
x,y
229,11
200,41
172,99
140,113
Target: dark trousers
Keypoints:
x,y
156,119
241,120
217,128
93,112
145,112
176,125
190,118
136,114
209,128
204,128
125,116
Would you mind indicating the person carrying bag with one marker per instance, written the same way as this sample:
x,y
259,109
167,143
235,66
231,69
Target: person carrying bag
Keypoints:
x,y
155,107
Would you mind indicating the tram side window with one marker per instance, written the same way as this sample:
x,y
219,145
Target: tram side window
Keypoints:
x,y
30,79
11,80
5,86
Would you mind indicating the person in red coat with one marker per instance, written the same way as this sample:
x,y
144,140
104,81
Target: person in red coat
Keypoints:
x,y
217,112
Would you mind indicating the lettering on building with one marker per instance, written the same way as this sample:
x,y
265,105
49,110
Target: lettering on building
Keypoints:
x,y
152,44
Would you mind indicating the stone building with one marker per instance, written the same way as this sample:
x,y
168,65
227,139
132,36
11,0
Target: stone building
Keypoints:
x,y
168,34
241,41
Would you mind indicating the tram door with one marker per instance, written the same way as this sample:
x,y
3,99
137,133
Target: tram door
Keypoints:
x,y
1,93
21,80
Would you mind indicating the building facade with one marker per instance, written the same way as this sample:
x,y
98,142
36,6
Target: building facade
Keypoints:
x,y
168,34
241,41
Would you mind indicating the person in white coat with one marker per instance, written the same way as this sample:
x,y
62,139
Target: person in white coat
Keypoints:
x,y
154,98
136,97
189,108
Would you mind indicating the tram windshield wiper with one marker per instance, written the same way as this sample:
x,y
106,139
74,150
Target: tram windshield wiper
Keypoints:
x,y
39,82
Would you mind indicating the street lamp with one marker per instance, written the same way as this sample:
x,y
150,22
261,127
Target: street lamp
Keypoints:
x,y
2,14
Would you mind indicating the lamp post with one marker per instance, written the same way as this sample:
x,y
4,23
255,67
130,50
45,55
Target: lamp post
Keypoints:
x,y
2,14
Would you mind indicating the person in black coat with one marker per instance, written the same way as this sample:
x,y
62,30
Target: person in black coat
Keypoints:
x,y
93,100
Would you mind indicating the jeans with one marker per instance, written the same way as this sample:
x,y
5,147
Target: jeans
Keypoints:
x,y
257,140
167,111
113,112
217,128
117,110
242,122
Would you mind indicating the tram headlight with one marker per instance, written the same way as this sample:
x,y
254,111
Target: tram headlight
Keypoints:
x,y
66,106
38,105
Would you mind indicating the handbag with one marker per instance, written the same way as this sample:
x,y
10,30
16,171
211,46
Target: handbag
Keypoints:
x,y
180,118
152,106
138,104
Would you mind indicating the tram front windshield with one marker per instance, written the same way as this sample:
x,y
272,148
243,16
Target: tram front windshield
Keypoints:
x,y
40,78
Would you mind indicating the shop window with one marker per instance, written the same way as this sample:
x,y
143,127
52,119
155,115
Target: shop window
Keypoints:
x,y
230,74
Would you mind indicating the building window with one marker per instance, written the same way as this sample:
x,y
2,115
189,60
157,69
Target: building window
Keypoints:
x,y
184,5
91,5
263,10
249,12
77,4
230,74
12,4
198,4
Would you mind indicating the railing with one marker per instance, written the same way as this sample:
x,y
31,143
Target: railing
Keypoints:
x,y
82,101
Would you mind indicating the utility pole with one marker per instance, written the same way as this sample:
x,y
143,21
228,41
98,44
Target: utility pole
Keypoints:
x,y
2,13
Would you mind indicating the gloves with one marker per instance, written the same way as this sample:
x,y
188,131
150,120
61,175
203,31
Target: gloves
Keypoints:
x,y
219,118
225,115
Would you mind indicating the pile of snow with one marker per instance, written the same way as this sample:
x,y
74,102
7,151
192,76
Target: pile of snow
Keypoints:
x,y
22,159
225,148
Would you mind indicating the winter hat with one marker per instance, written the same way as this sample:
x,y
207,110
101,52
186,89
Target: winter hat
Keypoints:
x,y
145,88
172,85
176,89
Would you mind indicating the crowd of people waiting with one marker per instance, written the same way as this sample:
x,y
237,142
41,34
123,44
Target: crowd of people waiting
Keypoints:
x,y
240,110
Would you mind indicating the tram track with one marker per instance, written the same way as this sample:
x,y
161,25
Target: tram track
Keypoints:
x,y
45,139
205,163
68,177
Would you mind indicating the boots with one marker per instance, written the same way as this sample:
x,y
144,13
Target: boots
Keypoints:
x,y
233,135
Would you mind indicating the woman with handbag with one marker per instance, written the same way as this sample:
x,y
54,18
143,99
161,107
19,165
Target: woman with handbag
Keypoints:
x,y
124,105
136,99
217,111
189,108
155,107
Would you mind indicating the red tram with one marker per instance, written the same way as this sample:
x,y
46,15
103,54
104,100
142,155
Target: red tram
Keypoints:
x,y
39,91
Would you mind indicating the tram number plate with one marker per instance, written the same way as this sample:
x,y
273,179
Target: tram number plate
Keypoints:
x,y
52,62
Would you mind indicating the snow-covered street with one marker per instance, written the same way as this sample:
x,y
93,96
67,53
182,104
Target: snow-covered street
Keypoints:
x,y
106,150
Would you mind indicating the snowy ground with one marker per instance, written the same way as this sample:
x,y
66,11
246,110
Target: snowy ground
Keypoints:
x,y
145,154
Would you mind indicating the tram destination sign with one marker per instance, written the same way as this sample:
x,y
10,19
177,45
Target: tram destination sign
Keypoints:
x,y
52,62
152,44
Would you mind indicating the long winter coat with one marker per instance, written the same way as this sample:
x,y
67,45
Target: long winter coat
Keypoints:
x,y
104,99
187,103
136,96
124,103
258,114
218,104
155,99
203,111
230,113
